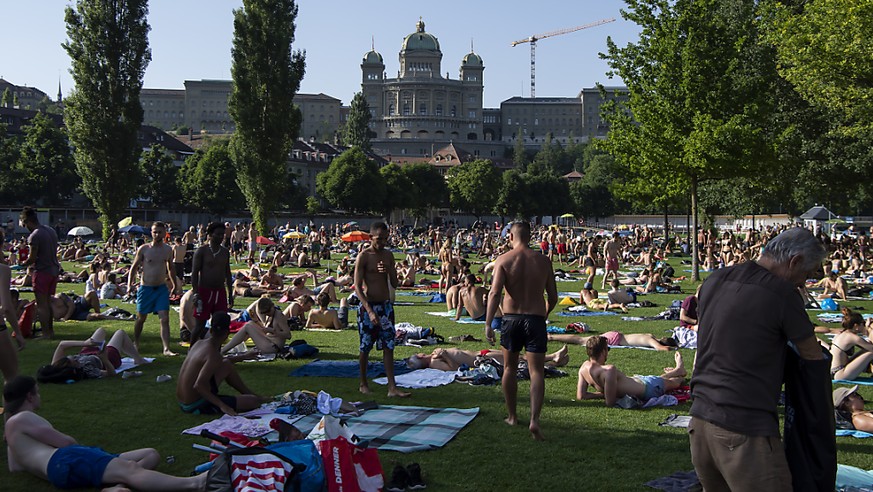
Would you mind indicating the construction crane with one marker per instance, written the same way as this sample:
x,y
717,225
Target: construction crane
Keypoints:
x,y
533,47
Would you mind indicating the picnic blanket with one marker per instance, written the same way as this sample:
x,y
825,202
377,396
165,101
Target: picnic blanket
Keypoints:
x,y
387,428
127,363
679,481
345,369
421,378
853,433
861,381
443,314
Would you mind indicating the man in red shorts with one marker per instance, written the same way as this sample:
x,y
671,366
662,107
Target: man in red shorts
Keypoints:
x,y
43,256
210,276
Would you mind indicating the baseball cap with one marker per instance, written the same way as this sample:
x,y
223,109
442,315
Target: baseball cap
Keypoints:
x,y
840,394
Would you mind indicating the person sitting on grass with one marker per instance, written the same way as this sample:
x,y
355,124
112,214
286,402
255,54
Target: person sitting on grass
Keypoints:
x,y
453,358
36,447
268,329
834,286
324,317
849,407
612,384
590,299
204,370
618,339
298,287
97,358
844,364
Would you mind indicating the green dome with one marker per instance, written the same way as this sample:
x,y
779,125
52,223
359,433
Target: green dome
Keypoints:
x,y
472,60
372,58
420,40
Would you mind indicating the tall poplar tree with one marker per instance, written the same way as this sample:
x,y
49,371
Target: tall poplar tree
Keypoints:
x,y
357,127
266,75
108,46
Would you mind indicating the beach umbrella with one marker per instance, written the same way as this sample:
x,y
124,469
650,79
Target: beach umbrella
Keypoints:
x,y
354,236
135,229
80,231
567,216
265,241
125,222
349,224
294,235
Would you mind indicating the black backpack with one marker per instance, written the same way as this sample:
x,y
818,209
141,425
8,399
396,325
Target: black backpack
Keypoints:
x,y
59,374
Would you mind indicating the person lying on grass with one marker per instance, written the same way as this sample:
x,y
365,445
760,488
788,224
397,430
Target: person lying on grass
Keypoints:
x,y
36,447
453,358
204,370
618,339
324,317
849,406
96,357
612,384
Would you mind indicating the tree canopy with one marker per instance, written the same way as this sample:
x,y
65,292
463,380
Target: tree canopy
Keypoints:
x,y
208,180
353,182
108,47
45,166
357,128
159,177
266,75
473,187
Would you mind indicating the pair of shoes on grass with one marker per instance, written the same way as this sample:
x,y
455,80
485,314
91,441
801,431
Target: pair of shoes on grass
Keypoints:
x,y
403,479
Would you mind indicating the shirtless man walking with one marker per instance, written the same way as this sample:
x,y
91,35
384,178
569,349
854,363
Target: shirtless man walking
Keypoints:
x,y
611,251
155,258
36,447
210,279
524,274
374,275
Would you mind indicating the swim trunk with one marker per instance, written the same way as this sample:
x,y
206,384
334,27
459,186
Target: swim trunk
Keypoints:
x,y
654,386
204,406
152,299
212,300
44,283
612,338
111,354
343,314
75,466
612,264
589,262
544,247
237,247
82,308
180,270
562,249
381,335
527,331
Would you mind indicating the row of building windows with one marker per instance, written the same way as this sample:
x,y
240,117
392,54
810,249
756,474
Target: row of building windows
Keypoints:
x,y
542,111
438,95
547,121
420,123
419,67
422,110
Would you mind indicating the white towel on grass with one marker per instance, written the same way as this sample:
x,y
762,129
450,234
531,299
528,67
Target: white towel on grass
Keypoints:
x,y
421,378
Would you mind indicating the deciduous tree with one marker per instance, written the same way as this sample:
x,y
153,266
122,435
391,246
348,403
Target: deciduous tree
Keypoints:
x,y
159,177
208,180
357,128
109,51
473,187
45,167
266,75
352,182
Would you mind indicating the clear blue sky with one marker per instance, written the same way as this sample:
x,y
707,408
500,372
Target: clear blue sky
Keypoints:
x,y
191,39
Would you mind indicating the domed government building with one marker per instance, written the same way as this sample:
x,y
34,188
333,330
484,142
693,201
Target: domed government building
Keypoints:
x,y
422,110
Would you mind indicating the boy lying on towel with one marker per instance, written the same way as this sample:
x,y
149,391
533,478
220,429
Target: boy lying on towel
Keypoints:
x,y
612,384
36,447
451,359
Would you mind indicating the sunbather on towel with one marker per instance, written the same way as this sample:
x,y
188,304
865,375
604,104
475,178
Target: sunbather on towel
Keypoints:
x,y
845,364
849,406
617,339
453,358
36,447
612,384
204,370
96,357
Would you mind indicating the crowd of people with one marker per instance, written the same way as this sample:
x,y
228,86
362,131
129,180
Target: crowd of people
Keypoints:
x,y
757,291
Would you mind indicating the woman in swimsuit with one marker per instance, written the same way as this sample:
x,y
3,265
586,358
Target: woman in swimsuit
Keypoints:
x,y
844,365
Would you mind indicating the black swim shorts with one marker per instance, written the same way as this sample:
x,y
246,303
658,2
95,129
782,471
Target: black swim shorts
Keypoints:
x,y
524,331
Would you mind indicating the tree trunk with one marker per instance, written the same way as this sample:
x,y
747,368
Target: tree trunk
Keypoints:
x,y
666,227
695,263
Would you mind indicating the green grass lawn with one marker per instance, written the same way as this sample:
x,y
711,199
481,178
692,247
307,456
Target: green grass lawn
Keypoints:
x,y
588,446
